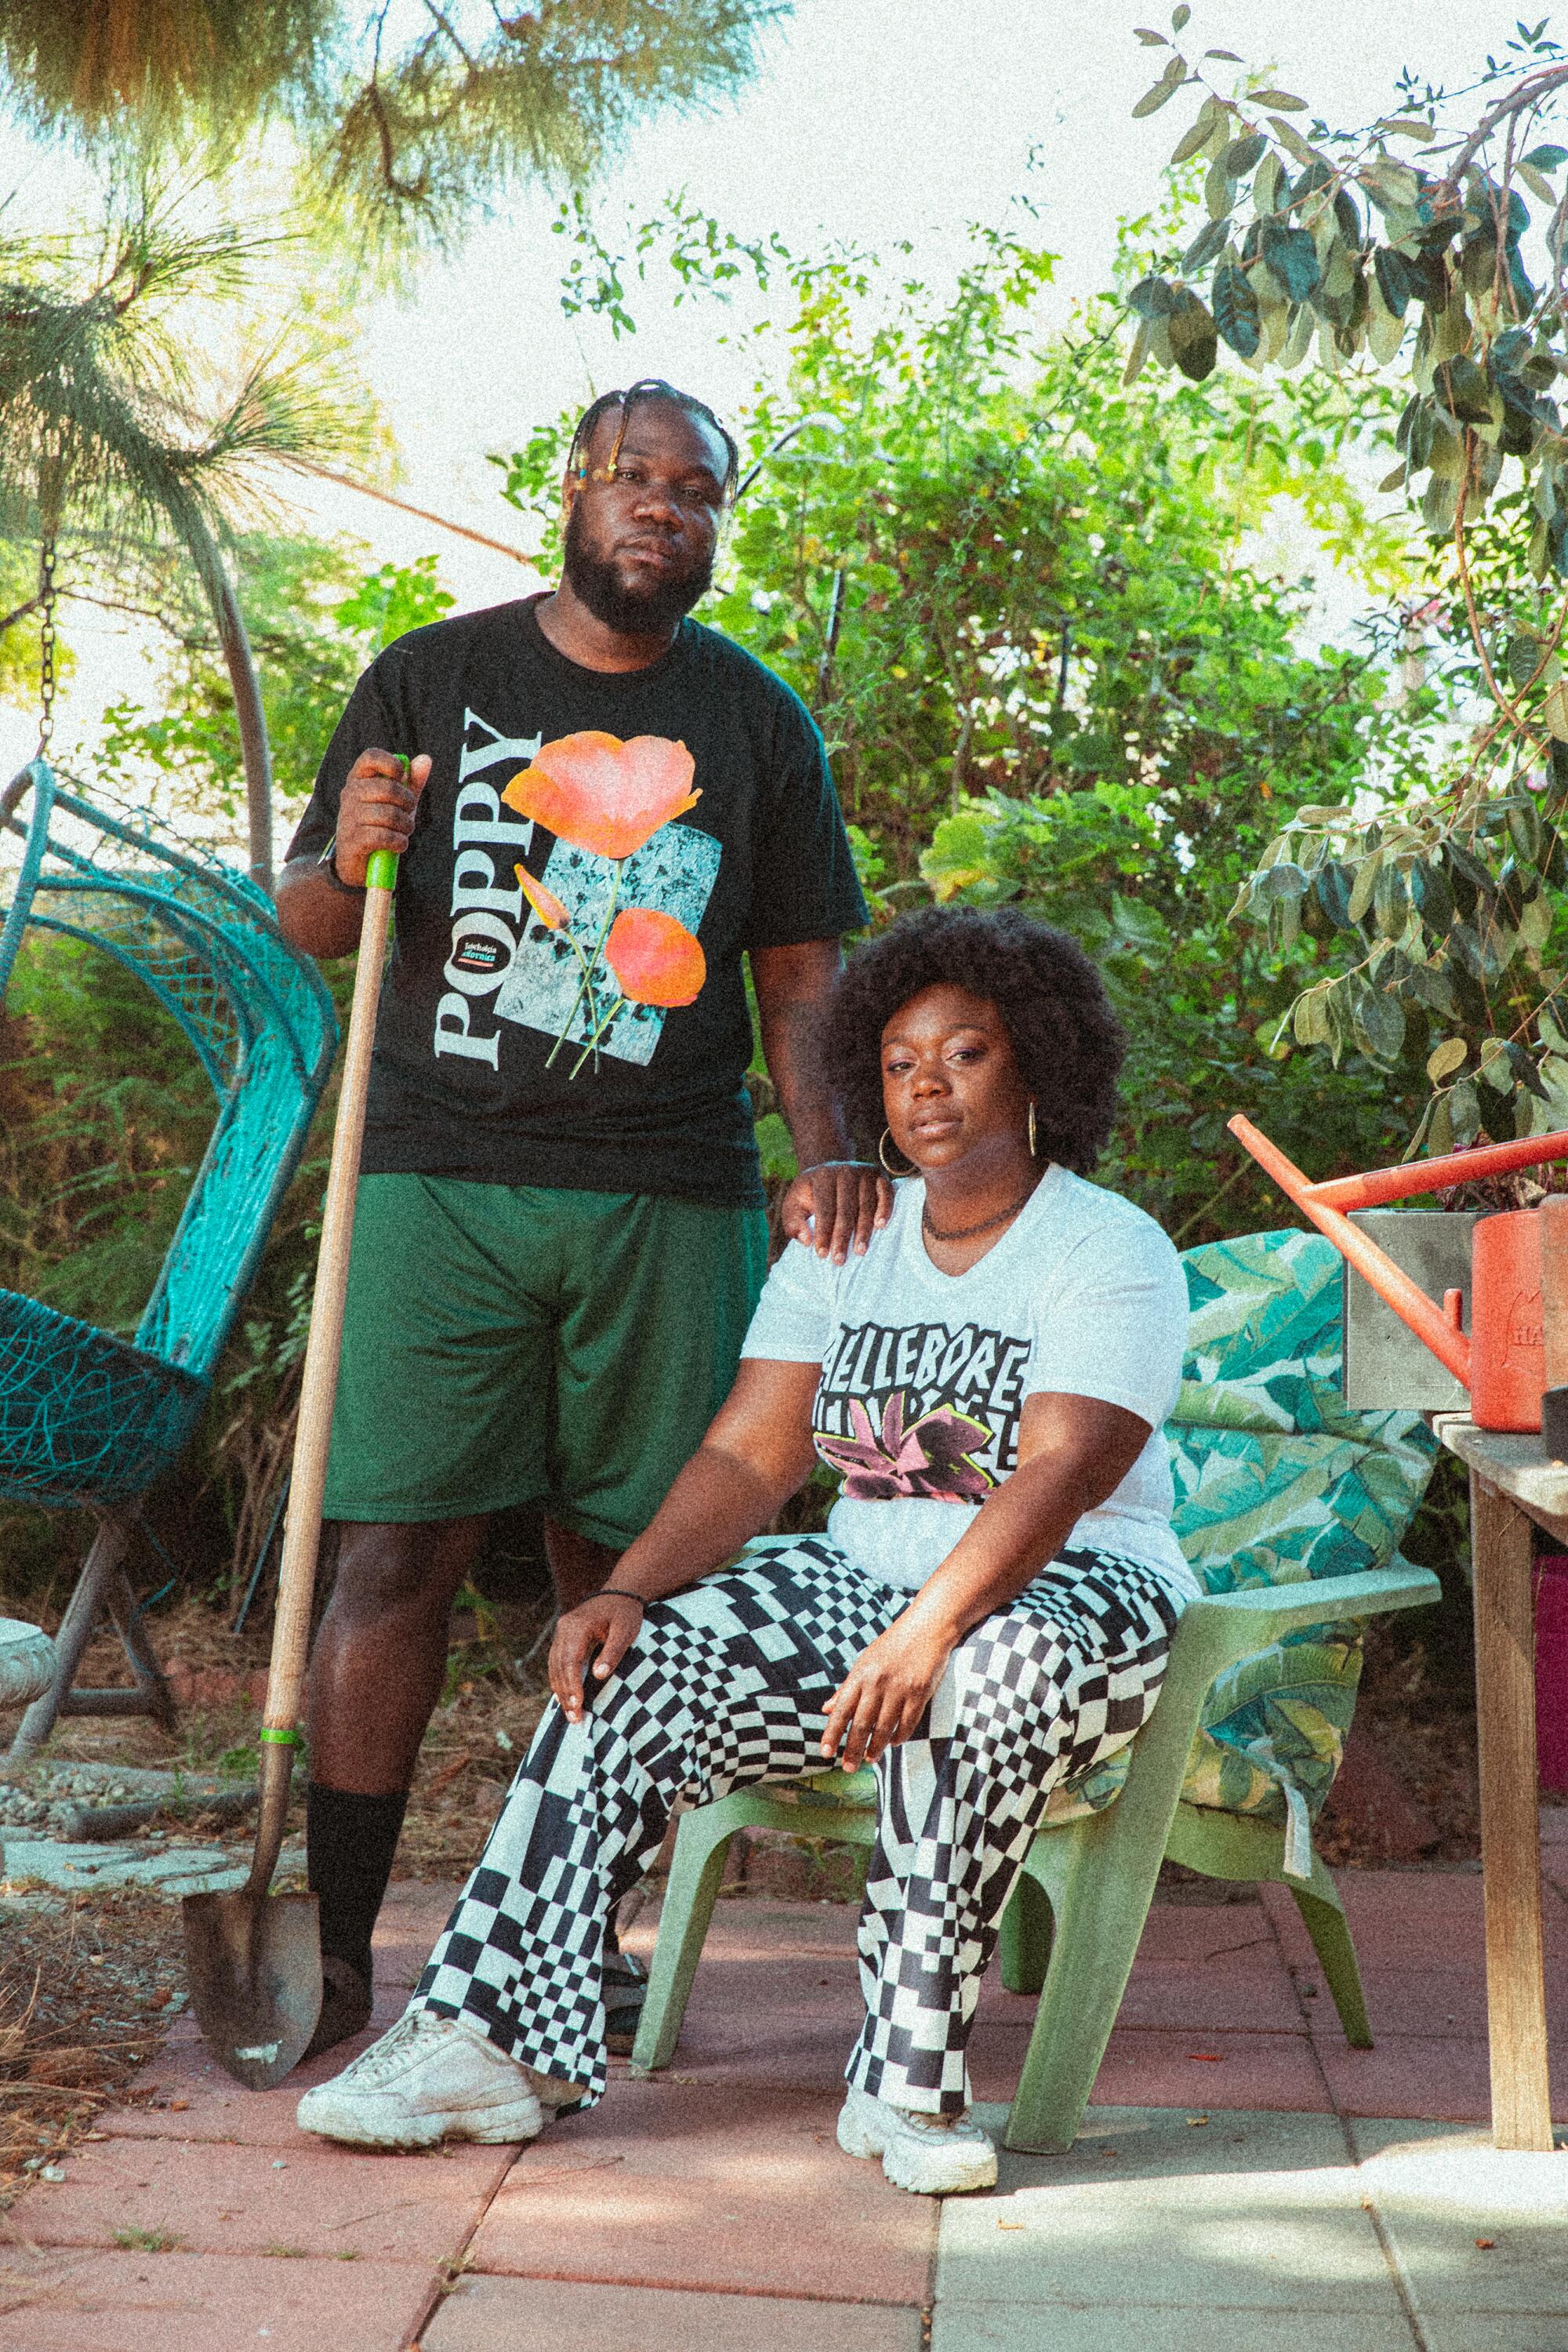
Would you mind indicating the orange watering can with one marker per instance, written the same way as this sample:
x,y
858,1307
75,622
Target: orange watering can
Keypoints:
x,y
1515,1353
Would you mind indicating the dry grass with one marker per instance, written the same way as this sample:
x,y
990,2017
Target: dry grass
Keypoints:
x,y
494,1696
87,1988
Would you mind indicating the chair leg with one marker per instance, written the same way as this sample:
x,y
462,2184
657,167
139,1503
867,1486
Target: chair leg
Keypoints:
x,y
81,1615
696,1873
1025,1948
1323,1917
1107,1888
123,1609
101,1589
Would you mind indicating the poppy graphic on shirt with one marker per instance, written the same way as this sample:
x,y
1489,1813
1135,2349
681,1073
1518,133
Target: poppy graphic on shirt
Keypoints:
x,y
613,946
932,1460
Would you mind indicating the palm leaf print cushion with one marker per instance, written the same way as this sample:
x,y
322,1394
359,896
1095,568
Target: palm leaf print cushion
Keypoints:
x,y
1276,1480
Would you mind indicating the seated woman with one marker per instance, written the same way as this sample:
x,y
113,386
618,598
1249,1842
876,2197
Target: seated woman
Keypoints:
x,y
989,1611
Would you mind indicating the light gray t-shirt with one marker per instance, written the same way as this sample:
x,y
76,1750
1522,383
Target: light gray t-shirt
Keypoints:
x,y
924,1374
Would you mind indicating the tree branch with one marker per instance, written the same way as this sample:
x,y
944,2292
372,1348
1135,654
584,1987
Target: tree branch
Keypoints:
x,y
1528,93
19,613
404,506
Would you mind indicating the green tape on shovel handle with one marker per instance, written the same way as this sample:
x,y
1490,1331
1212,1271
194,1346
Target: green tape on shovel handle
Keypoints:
x,y
381,874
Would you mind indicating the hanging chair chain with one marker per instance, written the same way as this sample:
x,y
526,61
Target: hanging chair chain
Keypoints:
x,y
47,593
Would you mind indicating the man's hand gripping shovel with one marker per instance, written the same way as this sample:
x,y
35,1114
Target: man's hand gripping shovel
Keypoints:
x,y
255,1958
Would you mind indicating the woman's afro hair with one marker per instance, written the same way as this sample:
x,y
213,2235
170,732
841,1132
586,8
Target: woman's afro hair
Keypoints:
x,y
1067,1042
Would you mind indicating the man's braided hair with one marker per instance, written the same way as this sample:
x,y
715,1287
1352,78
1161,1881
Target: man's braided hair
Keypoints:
x,y
648,387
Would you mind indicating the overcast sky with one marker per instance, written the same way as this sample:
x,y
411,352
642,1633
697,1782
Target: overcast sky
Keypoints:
x,y
870,121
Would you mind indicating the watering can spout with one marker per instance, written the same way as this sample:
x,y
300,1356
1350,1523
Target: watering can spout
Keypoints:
x,y
1436,1326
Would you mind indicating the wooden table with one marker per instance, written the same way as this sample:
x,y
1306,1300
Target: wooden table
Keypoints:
x,y
1512,1482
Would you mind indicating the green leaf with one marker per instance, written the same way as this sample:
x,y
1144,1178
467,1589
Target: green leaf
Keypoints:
x,y
1292,141
1547,159
1179,16
1395,480
1379,1025
1525,825
1219,190
1394,188
1210,240
1228,55
1449,1056
1524,657
1311,1019
1429,888
1333,884
1537,183
1440,1134
1282,881
1497,1071
959,854
1535,921
1408,126
1365,883
1463,390
1236,309
1390,899
1164,90
1151,298
1290,257
1242,153
1150,40
1193,337
1395,282
1440,504
1280,100
1196,137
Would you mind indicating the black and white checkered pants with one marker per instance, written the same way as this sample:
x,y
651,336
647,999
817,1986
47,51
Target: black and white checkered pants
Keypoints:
x,y
728,1684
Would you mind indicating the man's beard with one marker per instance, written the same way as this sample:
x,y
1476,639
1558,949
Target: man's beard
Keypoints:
x,y
647,611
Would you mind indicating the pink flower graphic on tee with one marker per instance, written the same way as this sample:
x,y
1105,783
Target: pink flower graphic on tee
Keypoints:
x,y
928,1461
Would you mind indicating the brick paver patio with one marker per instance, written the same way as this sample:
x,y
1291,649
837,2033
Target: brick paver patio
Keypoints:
x,y
710,2211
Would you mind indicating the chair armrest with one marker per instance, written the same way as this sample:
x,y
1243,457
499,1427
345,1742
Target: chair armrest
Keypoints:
x,y
1228,1626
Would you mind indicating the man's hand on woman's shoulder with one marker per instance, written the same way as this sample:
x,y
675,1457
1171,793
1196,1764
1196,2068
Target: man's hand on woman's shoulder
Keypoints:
x,y
836,1208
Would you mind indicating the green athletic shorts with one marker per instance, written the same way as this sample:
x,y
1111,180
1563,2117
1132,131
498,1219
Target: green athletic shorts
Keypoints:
x,y
517,1343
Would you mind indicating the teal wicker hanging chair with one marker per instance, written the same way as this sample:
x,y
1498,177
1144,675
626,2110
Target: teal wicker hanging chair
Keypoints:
x,y
87,1418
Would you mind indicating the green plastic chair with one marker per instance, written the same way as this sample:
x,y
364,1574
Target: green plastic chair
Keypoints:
x,y
1290,1507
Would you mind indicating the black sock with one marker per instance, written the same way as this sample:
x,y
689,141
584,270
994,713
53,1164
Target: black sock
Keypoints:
x,y
350,1842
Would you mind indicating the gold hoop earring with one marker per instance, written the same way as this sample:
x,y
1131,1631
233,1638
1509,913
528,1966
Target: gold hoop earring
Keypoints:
x,y
887,1166
1034,1152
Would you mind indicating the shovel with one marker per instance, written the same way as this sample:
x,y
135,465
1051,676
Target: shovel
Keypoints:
x,y
255,1958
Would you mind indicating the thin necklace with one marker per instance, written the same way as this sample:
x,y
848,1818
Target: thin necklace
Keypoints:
x,y
967,1233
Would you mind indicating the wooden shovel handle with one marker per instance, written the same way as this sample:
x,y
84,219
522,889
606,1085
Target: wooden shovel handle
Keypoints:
x,y
302,1532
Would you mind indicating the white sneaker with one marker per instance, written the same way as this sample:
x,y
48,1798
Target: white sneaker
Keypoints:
x,y
428,2078
919,2152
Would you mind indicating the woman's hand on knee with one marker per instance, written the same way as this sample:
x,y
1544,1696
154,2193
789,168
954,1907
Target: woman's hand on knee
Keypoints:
x,y
590,1642
885,1694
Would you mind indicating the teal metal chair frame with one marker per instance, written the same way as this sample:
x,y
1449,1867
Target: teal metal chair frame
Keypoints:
x,y
89,1419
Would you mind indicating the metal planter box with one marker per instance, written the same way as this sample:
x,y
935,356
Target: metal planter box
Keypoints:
x,y
1386,1364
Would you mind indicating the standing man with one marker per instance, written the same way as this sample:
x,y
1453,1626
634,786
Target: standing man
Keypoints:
x,y
601,808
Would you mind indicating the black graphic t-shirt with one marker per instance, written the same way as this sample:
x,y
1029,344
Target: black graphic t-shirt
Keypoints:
x,y
592,855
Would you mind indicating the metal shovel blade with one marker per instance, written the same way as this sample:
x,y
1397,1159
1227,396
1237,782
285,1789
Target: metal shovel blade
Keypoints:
x,y
255,1963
